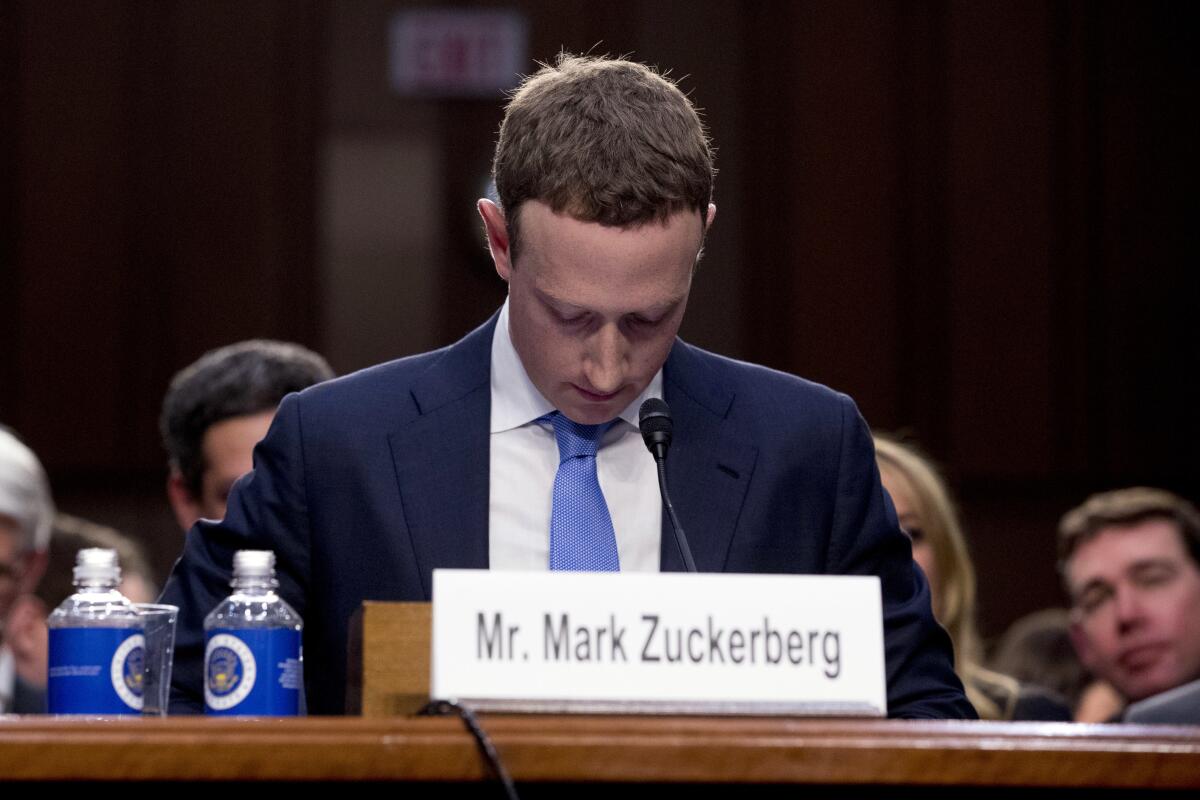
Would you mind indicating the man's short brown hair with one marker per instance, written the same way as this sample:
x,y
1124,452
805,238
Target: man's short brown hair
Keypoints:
x,y
1123,507
603,140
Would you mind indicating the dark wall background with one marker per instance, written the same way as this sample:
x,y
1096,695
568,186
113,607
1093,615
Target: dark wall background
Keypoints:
x,y
978,219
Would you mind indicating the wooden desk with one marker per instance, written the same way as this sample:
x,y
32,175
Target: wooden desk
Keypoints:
x,y
545,751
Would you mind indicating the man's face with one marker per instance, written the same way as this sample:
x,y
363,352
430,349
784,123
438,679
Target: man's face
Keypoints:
x,y
228,448
593,309
1136,597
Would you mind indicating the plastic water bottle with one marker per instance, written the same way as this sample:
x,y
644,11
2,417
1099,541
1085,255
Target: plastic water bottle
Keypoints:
x,y
252,656
97,650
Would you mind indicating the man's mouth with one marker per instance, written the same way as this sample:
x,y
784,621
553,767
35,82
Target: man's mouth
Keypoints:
x,y
593,396
1140,657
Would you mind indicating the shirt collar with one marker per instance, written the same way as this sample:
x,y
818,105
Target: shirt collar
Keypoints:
x,y
516,401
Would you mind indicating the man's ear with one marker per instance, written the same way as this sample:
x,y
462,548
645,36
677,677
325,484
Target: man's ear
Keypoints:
x,y
712,214
497,236
184,504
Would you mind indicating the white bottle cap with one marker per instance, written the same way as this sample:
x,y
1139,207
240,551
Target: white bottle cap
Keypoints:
x,y
97,564
254,564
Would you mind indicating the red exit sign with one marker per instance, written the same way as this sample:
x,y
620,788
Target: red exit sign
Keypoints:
x,y
457,52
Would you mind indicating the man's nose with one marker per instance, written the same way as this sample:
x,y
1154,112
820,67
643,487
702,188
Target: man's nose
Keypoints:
x,y
606,359
1128,606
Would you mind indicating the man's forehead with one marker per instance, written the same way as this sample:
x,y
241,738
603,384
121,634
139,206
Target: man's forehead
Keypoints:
x,y
550,296
1114,549
535,215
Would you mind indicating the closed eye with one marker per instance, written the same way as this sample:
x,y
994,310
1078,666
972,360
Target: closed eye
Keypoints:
x,y
638,320
1093,597
571,320
1153,574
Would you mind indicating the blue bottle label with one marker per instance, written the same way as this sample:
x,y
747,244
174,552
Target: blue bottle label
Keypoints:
x,y
96,671
252,672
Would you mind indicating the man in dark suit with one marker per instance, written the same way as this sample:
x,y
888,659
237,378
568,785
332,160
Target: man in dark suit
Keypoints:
x,y
366,484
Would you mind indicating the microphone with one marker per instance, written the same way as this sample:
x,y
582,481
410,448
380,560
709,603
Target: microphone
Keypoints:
x,y
654,420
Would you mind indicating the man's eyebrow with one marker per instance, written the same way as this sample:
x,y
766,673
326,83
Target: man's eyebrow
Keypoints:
x,y
1088,586
1138,566
664,307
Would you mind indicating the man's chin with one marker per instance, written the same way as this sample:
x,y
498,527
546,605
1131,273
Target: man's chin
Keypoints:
x,y
1144,686
586,408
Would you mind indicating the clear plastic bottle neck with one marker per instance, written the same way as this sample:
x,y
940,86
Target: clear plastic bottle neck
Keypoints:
x,y
95,585
253,572
254,584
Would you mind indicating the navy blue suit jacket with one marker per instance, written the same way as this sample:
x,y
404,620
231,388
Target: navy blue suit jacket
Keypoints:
x,y
366,484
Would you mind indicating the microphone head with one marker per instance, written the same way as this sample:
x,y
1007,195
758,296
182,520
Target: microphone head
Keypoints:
x,y
654,420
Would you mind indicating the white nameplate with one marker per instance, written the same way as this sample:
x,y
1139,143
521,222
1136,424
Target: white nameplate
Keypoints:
x,y
659,642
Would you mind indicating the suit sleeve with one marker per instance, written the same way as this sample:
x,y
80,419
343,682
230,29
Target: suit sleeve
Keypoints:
x,y
267,510
867,540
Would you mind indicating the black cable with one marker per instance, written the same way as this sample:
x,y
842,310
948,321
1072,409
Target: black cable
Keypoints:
x,y
486,749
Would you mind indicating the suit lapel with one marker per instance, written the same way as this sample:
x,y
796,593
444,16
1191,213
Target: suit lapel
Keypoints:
x,y
708,466
441,459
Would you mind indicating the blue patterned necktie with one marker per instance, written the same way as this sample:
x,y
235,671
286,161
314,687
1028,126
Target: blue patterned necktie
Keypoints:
x,y
581,529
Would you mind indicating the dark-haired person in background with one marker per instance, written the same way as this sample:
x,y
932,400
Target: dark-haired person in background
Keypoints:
x,y
1037,649
26,633
217,409
1130,560
366,484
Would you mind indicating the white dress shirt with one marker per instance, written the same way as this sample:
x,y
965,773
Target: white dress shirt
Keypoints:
x,y
524,461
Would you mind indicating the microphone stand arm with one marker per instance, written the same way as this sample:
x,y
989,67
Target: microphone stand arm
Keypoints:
x,y
680,540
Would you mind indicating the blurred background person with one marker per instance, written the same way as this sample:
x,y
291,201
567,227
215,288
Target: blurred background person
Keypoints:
x,y
1130,561
72,534
1037,649
927,513
217,409
27,631
26,513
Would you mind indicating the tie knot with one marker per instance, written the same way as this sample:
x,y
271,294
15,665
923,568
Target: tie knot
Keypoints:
x,y
575,440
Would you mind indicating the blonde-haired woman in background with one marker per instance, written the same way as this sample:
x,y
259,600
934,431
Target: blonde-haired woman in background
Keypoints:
x,y
928,515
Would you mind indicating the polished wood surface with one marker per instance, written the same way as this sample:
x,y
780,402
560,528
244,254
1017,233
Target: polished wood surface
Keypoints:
x,y
607,749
